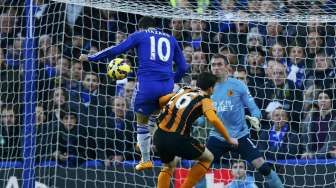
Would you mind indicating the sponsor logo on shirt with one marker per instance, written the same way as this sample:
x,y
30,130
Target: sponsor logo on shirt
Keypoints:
x,y
230,93
223,106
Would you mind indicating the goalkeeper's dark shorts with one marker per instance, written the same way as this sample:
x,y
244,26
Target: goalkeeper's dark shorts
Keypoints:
x,y
169,145
246,149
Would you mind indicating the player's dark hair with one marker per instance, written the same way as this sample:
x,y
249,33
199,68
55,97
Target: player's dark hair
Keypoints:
x,y
206,80
146,22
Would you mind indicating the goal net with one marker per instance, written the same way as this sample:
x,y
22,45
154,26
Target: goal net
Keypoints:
x,y
65,123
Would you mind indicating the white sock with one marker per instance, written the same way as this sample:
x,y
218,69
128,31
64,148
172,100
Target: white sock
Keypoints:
x,y
152,124
144,141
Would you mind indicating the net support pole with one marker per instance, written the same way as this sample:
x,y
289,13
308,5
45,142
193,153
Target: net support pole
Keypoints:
x,y
29,101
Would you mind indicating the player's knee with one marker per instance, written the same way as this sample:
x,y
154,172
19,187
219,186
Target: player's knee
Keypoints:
x,y
168,170
265,169
207,156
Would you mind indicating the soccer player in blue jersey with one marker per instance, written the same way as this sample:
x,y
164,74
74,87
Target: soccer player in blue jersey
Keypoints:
x,y
230,97
156,53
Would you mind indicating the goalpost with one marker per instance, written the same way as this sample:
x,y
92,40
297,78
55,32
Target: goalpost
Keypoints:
x,y
64,123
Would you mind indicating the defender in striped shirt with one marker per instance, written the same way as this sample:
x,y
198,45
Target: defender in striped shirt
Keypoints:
x,y
172,139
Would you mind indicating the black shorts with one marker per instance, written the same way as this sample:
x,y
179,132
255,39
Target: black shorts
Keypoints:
x,y
246,149
169,145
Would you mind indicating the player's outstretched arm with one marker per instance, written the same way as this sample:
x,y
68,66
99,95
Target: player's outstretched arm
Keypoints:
x,y
217,123
113,51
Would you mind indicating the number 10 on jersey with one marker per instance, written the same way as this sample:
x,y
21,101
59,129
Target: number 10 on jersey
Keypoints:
x,y
156,47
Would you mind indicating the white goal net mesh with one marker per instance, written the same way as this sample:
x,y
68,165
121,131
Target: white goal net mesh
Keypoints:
x,y
85,130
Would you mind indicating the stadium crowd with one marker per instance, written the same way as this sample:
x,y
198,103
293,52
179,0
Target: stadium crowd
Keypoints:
x,y
82,115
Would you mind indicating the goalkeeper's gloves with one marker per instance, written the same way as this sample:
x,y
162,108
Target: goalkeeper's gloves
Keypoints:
x,y
254,122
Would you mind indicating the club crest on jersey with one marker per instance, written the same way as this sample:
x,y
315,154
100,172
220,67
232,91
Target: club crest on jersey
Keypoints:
x,y
230,93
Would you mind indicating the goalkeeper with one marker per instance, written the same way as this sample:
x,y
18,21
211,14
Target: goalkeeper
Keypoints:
x,y
230,97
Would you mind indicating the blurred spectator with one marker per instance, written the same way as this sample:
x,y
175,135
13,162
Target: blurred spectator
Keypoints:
x,y
254,38
327,32
44,44
14,54
63,68
120,137
76,76
319,128
253,5
128,94
315,26
78,24
309,96
2,59
44,135
241,74
199,62
315,44
190,56
236,38
228,5
296,66
58,99
280,89
199,38
89,89
277,52
105,25
10,81
10,134
279,142
255,60
7,29
323,72
269,68
267,6
120,36
79,44
90,104
47,19
256,91
275,33
188,52
231,56
47,72
294,34
240,176
177,30
70,140
53,53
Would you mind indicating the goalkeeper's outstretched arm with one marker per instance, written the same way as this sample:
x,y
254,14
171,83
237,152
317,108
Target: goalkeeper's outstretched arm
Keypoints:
x,y
217,123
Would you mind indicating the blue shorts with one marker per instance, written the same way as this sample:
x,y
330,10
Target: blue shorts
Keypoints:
x,y
246,149
148,93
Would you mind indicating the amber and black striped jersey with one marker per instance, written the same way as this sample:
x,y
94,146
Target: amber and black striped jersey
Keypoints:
x,y
183,109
